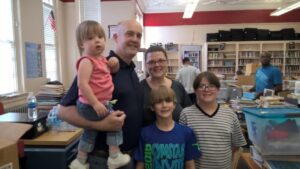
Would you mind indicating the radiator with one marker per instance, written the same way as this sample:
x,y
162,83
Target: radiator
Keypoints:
x,y
15,103
17,108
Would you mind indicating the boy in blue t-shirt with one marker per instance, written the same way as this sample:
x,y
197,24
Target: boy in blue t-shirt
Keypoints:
x,y
166,144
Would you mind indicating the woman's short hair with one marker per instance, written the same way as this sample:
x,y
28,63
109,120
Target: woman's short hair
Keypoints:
x,y
211,78
162,93
152,49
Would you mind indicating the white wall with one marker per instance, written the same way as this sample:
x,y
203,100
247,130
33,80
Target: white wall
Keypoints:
x,y
68,46
31,30
114,12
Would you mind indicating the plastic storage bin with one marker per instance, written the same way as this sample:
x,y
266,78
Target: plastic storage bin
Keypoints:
x,y
274,131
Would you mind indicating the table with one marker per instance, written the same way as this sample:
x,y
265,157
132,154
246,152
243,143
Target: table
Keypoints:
x,y
248,160
53,138
51,150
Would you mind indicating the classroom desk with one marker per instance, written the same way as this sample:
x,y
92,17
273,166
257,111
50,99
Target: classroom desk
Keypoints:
x,y
52,138
248,160
51,150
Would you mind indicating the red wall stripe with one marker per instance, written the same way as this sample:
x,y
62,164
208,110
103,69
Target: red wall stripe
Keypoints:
x,y
219,17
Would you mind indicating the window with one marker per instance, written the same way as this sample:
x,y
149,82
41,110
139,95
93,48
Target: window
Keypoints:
x,y
90,10
49,40
8,60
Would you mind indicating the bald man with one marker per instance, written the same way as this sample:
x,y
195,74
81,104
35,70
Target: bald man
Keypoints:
x,y
128,92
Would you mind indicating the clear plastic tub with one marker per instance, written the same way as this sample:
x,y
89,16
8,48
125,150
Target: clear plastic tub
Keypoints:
x,y
274,131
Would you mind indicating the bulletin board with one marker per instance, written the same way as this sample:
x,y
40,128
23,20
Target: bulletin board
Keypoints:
x,y
34,67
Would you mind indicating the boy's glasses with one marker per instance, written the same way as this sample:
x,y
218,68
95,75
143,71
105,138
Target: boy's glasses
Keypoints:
x,y
209,87
160,62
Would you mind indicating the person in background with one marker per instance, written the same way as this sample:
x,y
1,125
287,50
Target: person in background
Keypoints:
x,y
156,66
217,128
95,91
237,73
186,76
267,76
165,143
128,92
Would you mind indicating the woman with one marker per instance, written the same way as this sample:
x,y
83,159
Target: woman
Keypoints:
x,y
156,66
217,128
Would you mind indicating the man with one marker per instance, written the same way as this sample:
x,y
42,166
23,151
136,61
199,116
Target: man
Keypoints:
x,y
267,76
127,91
186,76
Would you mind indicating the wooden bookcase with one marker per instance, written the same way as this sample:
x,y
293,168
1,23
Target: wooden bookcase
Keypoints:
x,y
224,58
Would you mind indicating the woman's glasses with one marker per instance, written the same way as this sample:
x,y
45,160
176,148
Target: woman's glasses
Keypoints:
x,y
160,62
209,87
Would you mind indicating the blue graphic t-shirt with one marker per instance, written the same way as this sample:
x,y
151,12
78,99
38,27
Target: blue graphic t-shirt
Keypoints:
x,y
267,78
167,149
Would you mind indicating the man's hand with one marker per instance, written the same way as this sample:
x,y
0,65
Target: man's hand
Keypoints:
x,y
112,122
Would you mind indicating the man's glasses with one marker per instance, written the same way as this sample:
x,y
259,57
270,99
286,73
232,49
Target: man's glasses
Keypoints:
x,y
160,62
209,87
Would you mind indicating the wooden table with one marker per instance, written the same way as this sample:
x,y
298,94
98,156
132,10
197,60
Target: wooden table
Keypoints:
x,y
53,138
249,161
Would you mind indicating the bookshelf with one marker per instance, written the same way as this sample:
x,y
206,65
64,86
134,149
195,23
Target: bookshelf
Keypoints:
x,y
292,59
225,58
174,61
221,59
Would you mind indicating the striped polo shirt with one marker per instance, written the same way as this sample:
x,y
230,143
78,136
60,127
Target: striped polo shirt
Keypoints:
x,y
216,134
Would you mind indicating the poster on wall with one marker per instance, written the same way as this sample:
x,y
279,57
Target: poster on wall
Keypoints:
x,y
193,52
34,67
112,29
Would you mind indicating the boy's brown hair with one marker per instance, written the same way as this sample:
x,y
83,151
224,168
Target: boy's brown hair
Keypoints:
x,y
162,93
88,29
211,78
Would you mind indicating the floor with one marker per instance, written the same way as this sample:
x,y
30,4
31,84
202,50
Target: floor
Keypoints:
x,y
242,164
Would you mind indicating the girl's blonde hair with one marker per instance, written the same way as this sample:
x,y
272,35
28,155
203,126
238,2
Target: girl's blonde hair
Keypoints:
x,y
162,93
88,29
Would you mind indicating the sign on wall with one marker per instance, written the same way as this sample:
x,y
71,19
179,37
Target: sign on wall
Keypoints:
x,y
34,67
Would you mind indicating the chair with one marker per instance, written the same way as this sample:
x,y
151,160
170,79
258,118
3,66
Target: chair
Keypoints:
x,y
1,108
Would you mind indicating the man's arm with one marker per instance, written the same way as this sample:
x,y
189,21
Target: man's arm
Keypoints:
x,y
113,122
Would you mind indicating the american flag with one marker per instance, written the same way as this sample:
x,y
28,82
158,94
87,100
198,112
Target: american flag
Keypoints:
x,y
52,21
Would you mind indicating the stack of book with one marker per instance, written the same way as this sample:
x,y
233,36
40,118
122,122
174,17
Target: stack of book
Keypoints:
x,y
49,95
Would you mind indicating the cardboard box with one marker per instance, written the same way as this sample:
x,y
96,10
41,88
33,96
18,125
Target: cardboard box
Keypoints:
x,y
245,80
10,133
251,68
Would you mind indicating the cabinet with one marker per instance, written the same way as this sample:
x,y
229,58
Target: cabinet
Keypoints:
x,y
51,150
225,58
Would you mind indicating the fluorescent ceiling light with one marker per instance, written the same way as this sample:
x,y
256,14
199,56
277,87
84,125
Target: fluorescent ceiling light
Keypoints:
x,y
190,8
286,9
